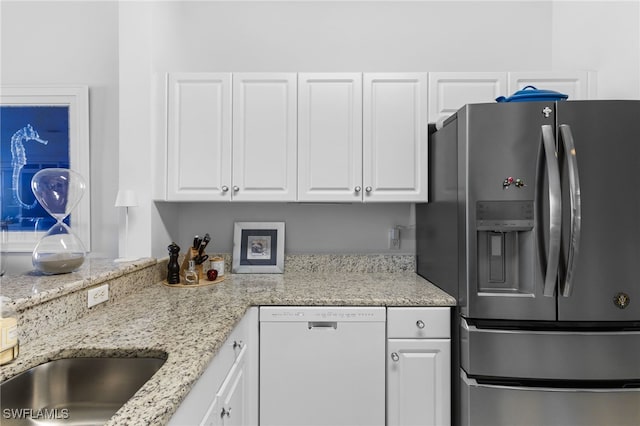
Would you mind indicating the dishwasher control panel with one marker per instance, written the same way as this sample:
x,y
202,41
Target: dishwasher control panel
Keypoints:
x,y
324,313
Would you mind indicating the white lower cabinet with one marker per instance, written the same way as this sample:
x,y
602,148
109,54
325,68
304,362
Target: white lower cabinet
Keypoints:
x,y
228,407
227,392
418,366
418,373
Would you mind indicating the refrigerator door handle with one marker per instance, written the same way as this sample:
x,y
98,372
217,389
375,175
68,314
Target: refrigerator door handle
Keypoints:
x,y
576,211
548,144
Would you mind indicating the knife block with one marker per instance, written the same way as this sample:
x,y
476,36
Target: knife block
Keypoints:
x,y
191,255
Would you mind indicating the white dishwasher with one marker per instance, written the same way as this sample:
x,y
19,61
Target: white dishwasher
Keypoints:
x,y
322,366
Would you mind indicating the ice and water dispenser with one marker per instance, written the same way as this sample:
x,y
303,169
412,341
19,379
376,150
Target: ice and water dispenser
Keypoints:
x,y
505,246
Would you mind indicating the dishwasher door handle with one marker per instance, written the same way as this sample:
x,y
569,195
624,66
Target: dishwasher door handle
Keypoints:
x,y
322,325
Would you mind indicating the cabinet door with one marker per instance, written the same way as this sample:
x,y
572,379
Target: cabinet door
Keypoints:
x,y
330,137
450,91
233,394
395,137
199,136
418,382
228,407
264,137
231,375
579,85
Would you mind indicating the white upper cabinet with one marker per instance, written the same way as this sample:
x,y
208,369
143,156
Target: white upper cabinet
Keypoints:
x,y
395,137
362,137
199,136
449,91
264,137
579,85
322,137
330,137
206,163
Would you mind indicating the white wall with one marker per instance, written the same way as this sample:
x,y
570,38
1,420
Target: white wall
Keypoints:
x,y
72,43
602,36
77,42
381,36
352,36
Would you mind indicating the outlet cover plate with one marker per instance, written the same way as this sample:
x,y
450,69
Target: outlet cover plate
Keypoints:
x,y
97,295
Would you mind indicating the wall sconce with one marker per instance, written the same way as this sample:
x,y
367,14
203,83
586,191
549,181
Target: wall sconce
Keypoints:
x,y
126,198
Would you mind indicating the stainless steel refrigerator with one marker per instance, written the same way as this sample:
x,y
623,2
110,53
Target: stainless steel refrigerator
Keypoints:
x,y
533,223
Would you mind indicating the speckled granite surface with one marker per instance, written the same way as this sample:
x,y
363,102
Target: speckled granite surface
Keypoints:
x,y
339,262
349,263
45,303
34,288
189,325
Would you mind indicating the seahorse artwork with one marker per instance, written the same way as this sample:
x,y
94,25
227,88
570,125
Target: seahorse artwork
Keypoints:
x,y
19,159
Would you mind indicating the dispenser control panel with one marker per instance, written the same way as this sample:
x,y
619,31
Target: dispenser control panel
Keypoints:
x,y
504,216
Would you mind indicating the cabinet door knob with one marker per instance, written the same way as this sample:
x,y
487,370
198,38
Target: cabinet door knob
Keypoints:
x,y
420,324
237,345
225,412
395,357
357,189
225,188
236,188
368,189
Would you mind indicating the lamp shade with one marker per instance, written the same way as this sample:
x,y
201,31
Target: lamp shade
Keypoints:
x,y
126,198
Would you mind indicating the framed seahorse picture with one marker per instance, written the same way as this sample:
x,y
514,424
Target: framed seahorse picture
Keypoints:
x,y
41,127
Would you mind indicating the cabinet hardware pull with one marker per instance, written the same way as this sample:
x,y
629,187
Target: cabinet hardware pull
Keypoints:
x,y
368,189
225,188
237,345
357,189
420,324
395,357
236,188
225,412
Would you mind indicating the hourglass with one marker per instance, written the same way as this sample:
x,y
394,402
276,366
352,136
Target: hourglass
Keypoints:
x,y
59,191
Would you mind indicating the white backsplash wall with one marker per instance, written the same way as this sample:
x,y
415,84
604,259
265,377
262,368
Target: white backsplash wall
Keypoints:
x,y
309,228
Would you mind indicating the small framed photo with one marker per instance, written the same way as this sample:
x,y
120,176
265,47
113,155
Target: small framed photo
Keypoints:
x,y
258,247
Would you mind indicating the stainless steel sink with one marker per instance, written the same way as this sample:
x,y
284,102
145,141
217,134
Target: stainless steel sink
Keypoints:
x,y
73,391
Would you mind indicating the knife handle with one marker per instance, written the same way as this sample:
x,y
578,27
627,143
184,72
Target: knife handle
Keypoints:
x,y
203,243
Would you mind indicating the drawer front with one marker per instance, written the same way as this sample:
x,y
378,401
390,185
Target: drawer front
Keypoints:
x,y
418,323
497,405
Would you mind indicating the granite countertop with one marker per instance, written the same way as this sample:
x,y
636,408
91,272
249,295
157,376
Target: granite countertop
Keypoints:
x,y
189,325
33,288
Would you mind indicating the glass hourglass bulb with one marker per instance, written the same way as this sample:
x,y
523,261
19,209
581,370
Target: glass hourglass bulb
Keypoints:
x,y
58,191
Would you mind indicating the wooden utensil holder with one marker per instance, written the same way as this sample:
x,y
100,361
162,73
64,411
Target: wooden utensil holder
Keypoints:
x,y
191,255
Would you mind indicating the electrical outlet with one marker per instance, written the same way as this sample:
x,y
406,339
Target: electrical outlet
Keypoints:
x,y
97,295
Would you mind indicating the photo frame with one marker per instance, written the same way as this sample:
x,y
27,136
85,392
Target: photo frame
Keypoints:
x,y
41,127
258,248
